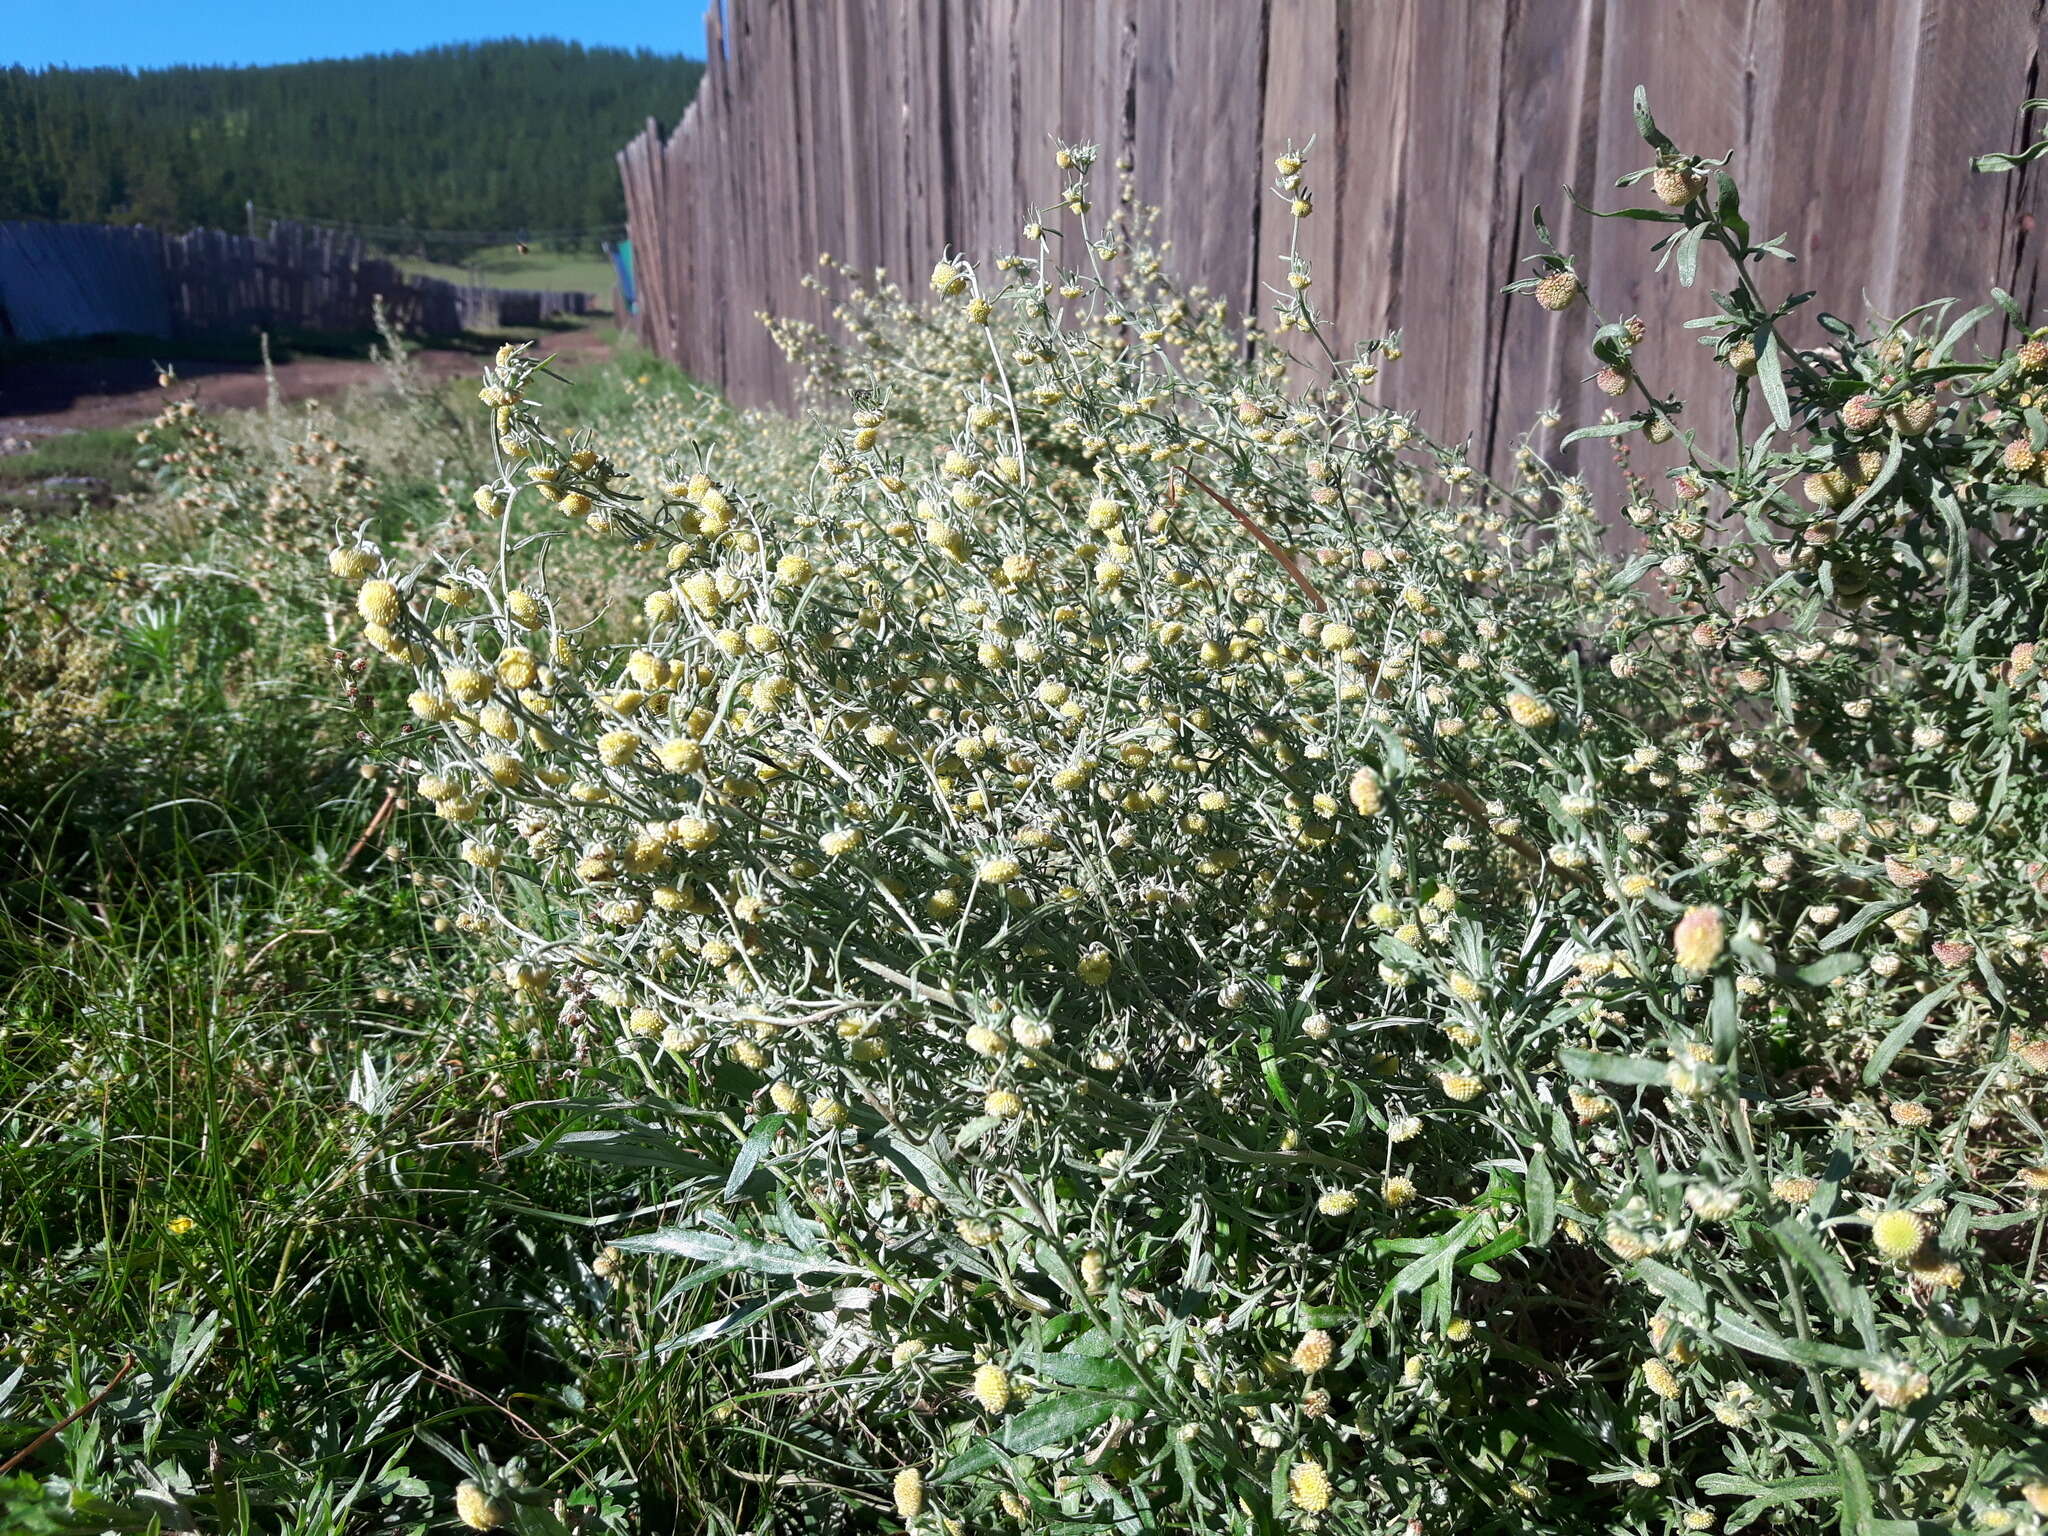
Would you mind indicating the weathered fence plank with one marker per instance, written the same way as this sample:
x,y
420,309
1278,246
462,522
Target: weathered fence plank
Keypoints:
x,y
71,280
884,131
91,279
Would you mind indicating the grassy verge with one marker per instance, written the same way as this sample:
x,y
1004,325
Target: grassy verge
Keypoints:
x,y
506,266
269,1166
97,465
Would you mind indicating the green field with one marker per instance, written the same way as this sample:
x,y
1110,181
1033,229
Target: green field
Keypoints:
x,y
56,472
504,266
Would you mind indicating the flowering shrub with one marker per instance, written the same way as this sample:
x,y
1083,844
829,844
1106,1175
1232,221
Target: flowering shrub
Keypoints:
x,y
1199,963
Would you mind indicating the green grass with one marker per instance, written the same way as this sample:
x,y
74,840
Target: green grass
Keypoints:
x,y
270,1142
252,1142
104,456
613,391
504,266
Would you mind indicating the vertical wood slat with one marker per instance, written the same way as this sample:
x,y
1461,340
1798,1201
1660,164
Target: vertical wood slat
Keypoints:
x,y
91,279
884,131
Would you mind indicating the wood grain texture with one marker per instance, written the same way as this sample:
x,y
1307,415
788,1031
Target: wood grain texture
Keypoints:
x,y
889,131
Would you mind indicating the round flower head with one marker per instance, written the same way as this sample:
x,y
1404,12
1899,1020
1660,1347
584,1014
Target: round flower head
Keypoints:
x,y
476,1509
1557,290
680,755
524,608
1697,941
351,562
1589,1106
1308,1487
1337,1202
1829,488
992,1388
693,832
1529,712
378,603
1897,1235
1366,793
467,684
984,1041
1000,869
1894,1383
1675,186
909,1493
1913,416
1313,1353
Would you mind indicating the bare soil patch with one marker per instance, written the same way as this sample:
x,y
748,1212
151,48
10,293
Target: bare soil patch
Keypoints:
x,y
43,399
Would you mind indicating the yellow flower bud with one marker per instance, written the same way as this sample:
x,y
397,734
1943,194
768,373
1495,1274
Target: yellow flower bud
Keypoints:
x,y
1367,796
476,1509
1313,1353
1697,941
992,1388
1308,1487
909,1491
378,603
1898,1235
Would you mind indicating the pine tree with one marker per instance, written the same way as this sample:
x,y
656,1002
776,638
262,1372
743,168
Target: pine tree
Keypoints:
x,y
497,137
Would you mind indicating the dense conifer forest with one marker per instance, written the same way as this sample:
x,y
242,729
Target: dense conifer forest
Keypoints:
x,y
498,137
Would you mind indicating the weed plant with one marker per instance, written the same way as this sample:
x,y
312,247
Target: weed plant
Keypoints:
x,y
1187,960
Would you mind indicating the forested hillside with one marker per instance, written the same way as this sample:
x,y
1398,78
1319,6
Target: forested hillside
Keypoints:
x,y
504,135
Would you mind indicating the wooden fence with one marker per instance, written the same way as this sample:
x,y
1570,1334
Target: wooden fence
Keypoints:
x,y
888,131
89,279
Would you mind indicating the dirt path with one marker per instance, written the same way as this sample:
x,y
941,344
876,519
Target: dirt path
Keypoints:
x,y
40,400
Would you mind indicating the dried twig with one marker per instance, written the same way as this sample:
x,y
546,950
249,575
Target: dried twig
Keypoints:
x,y
68,1420
457,1384
1266,540
249,965
383,814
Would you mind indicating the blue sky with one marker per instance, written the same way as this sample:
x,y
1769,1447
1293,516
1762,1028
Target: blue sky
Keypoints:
x,y
147,34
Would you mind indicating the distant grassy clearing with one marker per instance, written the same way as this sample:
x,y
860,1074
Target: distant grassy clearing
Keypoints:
x,y
502,266
56,473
